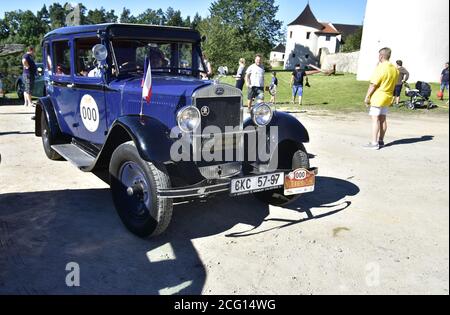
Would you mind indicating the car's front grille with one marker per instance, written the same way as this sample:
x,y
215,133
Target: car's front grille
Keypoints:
x,y
220,112
221,124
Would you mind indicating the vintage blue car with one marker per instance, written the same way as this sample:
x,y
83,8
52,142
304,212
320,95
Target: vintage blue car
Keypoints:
x,y
39,86
189,141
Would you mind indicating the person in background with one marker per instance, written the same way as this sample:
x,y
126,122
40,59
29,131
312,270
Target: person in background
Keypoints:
x,y
297,82
380,96
444,81
2,92
240,80
273,88
206,74
255,81
59,70
29,73
402,78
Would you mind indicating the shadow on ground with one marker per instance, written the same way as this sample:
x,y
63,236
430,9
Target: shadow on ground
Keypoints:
x,y
15,133
40,232
10,102
324,202
410,141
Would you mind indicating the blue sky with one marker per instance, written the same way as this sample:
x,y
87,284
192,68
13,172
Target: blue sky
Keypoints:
x,y
338,11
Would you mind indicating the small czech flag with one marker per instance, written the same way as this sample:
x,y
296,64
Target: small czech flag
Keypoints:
x,y
147,82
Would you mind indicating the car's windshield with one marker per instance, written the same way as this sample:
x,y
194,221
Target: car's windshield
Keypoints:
x,y
172,58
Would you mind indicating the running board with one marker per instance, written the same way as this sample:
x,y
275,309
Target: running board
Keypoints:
x,y
74,155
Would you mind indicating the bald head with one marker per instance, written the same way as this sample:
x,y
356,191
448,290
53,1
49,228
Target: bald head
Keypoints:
x,y
385,54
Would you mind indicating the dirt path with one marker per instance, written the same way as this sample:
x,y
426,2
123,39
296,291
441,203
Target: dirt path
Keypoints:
x,y
378,222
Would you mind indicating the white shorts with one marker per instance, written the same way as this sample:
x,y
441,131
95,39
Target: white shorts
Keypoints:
x,y
378,111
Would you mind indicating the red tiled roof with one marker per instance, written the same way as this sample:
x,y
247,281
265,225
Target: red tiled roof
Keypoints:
x,y
328,29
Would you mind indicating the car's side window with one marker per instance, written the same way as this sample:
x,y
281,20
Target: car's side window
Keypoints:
x,y
61,58
48,59
85,63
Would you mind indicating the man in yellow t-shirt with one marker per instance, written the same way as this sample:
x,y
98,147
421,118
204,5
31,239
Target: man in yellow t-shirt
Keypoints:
x,y
380,96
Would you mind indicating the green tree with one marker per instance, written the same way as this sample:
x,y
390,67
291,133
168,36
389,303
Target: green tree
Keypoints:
x,y
187,21
173,17
24,27
224,46
4,29
196,21
162,17
57,15
83,18
254,20
99,16
111,17
149,16
126,16
44,16
353,41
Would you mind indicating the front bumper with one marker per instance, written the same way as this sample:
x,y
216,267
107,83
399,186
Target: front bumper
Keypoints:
x,y
207,188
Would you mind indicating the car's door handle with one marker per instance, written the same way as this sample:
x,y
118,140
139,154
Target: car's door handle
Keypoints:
x,y
70,86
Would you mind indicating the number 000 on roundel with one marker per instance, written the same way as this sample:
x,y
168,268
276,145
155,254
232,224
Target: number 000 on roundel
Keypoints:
x,y
89,113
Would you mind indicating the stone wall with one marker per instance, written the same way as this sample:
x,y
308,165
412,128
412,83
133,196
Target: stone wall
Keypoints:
x,y
345,62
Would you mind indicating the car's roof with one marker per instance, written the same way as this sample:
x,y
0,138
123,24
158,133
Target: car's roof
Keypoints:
x,y
128,30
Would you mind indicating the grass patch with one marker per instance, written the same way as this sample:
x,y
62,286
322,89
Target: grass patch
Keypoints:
x,y
341,93
12,96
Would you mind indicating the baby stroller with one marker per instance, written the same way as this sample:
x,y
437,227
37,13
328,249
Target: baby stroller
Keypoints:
x,y
419,97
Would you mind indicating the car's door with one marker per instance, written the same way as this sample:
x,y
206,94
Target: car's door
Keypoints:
x,y
89,85
39,88
64,95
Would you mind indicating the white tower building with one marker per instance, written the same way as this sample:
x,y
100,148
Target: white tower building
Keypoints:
x,y
417,32
307,38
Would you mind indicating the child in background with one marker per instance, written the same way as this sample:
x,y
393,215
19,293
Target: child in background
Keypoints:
x,y
273,88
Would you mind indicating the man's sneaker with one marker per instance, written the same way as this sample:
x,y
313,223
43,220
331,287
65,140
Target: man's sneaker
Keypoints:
x,y
373,146
381,144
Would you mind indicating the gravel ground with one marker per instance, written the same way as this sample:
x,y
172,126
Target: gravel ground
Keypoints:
x,y
378,222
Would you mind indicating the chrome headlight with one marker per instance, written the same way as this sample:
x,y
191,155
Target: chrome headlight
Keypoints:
x,y
188,118
262,114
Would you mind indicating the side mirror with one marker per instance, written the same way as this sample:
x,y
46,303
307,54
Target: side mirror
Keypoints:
x,y
100,52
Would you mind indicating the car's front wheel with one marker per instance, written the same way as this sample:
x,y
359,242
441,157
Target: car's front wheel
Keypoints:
x,y
277,197
134,185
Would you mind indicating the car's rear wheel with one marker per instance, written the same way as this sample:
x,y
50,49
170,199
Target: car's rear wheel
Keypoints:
x,y
48,140
277,197
20,88
134,185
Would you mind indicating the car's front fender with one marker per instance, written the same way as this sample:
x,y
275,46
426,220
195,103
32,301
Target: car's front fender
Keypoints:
x,y
289,128
282,143
151,137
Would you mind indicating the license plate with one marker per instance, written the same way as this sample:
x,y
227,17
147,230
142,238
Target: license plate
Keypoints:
x,y
246,185
300,181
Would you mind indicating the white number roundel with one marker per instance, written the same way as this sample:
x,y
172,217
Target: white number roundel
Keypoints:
x,y
89,113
